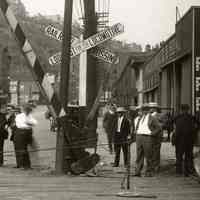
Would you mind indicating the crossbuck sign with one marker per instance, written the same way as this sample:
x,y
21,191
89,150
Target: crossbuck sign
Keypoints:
x,y
97,39
80,46
98,52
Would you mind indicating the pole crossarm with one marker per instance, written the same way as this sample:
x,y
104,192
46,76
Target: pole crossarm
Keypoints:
x,y
34,65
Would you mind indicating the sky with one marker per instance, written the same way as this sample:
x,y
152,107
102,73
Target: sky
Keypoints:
x,y
145,21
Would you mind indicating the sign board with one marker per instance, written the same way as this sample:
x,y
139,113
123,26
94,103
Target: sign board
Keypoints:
x,y
97,39
105,55
57,34
196,63
100,53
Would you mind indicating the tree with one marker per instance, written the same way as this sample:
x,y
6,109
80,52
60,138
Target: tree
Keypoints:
x,y
147,48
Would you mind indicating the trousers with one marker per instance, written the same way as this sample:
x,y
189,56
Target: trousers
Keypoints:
x,y
144,149
21,140
184,157
120,143
157,141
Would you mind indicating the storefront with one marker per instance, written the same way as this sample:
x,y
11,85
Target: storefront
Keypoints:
x,y
176,67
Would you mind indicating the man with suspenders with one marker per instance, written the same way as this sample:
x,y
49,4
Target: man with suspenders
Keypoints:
x,y
146,128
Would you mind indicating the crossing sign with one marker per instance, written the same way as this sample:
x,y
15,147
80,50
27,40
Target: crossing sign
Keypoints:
x,y
98,52
57,34
97,39
101,53
105,55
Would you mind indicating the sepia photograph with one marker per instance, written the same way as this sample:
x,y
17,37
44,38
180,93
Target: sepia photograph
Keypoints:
x,y
99,99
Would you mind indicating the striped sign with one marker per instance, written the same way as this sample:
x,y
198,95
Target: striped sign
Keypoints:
x,y
33,62
98,52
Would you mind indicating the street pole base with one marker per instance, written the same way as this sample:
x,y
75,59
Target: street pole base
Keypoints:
x,y
129,194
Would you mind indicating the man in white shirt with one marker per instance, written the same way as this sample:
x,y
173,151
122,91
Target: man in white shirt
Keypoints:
x,y
24,123
122,131
146,128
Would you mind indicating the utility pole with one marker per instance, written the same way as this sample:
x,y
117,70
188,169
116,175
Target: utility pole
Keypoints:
x,y
89,30
90,22
62,152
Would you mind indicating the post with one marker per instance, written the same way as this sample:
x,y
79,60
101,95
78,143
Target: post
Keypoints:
x,y
91,84
61,151
18,92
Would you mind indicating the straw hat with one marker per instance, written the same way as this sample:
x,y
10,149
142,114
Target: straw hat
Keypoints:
x,y
153,105
133,108
138,107
120,109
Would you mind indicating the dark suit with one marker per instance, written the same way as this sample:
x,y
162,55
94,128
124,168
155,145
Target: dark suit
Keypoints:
x,y
184,142
120,140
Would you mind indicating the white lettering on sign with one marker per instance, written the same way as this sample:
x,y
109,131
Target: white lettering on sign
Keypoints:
x,y
55,59
57,34
197,103
97,39
100,53
80,46
197,64
197,84
105,55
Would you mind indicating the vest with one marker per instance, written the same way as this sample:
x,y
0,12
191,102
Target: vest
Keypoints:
x,y
143,127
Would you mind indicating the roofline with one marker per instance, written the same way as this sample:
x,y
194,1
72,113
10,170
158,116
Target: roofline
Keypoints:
x,y
187,12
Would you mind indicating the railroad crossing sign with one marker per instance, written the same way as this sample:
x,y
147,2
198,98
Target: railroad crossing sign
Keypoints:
x,y
98,52
78,47
57,34
97,39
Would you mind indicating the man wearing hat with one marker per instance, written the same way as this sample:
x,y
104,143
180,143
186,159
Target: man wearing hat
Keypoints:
x,y
146,127
122,131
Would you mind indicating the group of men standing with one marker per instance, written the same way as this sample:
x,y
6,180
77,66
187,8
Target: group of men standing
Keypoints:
x,y
143,125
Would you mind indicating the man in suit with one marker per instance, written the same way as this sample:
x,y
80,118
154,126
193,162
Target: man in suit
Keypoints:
x,y
184,140
157,139
122,131
146,127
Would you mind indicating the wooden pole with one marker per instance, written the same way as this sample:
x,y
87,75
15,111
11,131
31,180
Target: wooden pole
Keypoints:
x,y
90,22
62,152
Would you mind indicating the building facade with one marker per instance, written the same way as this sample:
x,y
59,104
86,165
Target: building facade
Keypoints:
x,y
172,76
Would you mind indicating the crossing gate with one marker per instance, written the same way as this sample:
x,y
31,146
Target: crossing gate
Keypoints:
x,y
39,75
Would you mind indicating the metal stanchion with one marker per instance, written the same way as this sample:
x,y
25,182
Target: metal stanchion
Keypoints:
x,y
126,190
